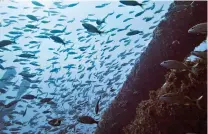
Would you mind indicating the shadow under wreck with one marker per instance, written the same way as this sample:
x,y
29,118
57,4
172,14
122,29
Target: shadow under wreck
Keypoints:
x,y
171,41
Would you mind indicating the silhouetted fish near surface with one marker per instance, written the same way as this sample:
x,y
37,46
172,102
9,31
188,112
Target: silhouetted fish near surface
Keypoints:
x,y
4,43
87,120
131,3
97,108
91,28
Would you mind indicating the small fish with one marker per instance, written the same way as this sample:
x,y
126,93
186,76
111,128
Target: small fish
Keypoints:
x,y
28,97
32,17
46,111
6,43
133,32
87,120
11,103
37,4
200,28
176,98
55,122
73,4
25,112
97,108
173,64
91,28
200,54
131,3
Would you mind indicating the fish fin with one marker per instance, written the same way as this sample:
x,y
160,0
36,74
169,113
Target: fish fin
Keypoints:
x,y
142,5
197,102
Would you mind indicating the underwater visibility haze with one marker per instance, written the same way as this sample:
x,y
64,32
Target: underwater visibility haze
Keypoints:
x,y
63,62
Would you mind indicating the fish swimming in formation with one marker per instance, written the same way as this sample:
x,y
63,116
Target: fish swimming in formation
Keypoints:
x,y
131,3
87,120
200,54
200,28
91,28
177,98
97,108
55,122
4,43
173,64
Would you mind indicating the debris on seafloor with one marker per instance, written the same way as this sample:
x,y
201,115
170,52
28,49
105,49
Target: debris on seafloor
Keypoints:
x,y
178,107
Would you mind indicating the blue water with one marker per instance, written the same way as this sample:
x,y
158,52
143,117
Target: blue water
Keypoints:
x,y
65,72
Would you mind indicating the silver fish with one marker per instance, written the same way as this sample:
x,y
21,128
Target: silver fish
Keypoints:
x,y
200,28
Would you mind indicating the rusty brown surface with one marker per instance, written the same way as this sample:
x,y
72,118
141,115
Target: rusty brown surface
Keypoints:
x,y
147,73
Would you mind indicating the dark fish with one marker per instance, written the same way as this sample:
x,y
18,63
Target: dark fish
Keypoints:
x,y
1,104
99,22
45,100
55,122
91,28
2,91
28,97
57,39
87,120
46,111
131,3
133,32
11,103
25,112
97,106
6,43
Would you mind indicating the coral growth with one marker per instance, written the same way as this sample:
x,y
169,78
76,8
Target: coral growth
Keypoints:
x,y
155,116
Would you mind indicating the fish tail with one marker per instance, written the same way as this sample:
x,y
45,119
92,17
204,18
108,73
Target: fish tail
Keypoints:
x,y
197,102
142,5
101,32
